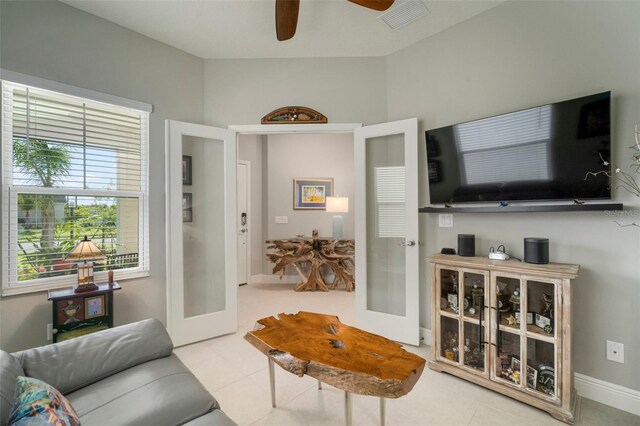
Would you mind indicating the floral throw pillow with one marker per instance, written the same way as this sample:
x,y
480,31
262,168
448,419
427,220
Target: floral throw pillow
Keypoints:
x,y
38,403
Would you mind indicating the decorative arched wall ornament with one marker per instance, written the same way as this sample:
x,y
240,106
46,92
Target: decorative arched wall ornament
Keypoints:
x,y
293,114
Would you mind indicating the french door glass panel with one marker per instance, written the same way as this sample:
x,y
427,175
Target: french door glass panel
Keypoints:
x,y
386,225
203,219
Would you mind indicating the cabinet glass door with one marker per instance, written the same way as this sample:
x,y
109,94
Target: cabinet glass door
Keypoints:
x,y
541,302
463,317
541,367
449,298
508,366
506,333
472,309
449,338
474,348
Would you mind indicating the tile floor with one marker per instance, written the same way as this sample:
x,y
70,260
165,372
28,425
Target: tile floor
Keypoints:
x,y
236,374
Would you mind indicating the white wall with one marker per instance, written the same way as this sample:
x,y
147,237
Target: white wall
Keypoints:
x,y
308,156
523,54
54,41
346,90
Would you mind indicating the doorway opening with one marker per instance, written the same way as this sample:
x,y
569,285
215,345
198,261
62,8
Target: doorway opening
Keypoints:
x,y
277,155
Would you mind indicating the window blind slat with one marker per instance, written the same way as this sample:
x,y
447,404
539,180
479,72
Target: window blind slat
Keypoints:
x,y
390,200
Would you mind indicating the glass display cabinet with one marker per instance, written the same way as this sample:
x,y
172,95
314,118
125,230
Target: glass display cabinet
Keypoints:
x,y
506,325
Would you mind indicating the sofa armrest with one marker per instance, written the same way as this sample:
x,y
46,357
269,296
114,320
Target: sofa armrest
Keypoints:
x,y
75,363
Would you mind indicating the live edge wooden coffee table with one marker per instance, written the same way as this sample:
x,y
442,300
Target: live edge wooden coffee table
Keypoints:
x,y
345,357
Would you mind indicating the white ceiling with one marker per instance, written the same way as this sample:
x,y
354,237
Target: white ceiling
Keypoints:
x,y
246,28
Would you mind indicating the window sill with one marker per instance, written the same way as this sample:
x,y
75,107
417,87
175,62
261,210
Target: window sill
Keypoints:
x,y
69,281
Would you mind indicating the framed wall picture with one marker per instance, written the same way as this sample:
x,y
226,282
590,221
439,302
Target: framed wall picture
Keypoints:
x,y
94,306
187,209
311,193
186,170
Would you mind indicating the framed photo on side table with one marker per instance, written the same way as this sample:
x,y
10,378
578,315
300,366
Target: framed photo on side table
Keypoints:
x,y
94,306
311,193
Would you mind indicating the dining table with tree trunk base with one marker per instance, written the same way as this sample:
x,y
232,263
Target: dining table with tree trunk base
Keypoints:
x,y
308,256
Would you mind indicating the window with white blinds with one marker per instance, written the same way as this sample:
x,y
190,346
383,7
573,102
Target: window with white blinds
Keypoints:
x,y
71,168
390,201
506,148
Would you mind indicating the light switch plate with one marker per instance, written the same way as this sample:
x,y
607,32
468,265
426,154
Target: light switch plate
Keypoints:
x,y
445,220
282,219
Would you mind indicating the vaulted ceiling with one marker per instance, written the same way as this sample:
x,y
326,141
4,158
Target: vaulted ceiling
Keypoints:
x,y
246,28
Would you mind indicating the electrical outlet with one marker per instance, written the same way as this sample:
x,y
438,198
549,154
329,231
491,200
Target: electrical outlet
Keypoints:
x,y
445,220
615,351
49,331
282,219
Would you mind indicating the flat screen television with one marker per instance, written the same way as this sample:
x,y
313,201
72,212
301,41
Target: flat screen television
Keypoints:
x,y
541,153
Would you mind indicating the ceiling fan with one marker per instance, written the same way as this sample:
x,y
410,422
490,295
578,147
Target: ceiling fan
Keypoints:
x,y
287,14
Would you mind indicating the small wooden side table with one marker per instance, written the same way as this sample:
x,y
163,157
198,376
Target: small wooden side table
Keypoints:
x,y
77,314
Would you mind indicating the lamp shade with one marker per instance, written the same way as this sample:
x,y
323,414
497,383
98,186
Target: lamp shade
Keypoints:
x,y
337,204
85,250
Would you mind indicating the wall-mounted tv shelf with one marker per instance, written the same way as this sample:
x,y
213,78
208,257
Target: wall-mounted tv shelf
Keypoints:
x,y
524,209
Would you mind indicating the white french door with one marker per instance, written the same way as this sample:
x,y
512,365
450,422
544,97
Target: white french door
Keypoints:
x,y
201,231
386,225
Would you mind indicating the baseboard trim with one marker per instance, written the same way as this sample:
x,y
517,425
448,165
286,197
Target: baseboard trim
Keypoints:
x,y
607,393
425,336
268,278
610,394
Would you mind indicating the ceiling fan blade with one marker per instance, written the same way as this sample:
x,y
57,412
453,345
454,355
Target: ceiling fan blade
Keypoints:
x,y
286,18
374,4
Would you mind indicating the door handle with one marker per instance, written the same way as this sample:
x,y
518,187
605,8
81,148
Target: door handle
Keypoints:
x,y
409,243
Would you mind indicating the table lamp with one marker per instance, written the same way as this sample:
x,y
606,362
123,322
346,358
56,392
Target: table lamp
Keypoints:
x,y
85,252
337,204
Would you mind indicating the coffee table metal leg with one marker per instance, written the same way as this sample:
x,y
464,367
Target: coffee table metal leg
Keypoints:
x,y
383,410
347,408
319,385
272,383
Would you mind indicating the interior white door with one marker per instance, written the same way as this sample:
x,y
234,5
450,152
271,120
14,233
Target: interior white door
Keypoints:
x,y
201,237
386,225
243,180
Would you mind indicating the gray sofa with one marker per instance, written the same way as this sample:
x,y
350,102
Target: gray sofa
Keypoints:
x,y
125,375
